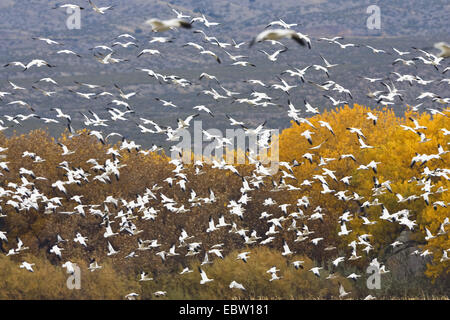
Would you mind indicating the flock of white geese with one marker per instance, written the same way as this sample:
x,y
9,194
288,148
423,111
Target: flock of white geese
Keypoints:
x,y
26,196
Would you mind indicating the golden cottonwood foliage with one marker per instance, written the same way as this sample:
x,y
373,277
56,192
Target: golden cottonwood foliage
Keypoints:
x,y
294,284
49,281
394,148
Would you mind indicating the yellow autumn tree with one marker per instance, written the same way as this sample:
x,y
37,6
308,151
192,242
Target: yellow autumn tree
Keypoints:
x,y
394,147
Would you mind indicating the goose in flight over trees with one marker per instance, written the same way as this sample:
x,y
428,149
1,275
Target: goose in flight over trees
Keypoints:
x,y
316,271
286,249
28,266
275,277
237,45
111,250
342,292
401,53
335,102
56,250
236,285
243,256
69,267
307,134
80,239
205,278
363,145
145,277
66,150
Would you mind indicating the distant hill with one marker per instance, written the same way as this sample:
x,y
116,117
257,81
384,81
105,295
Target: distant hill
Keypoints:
x,y
403,24
239,17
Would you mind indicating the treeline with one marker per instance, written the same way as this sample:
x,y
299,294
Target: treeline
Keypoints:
x,y
142,177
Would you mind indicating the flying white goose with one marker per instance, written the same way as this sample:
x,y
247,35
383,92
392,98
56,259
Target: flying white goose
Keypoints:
x,y
237,45
111,250
298,264
179,14
275,277
56,250
316,271
166,103
236,285
445,49
145,277
69,267
132,296
307,134
444,256
164,25
286,249
205,21
93,265
28,266
281,23
277,34
186,270
47,40
38,63
68,6
66,150
205,278
124,44
243,256
274,56
401,53
100,10
342,292
15,64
